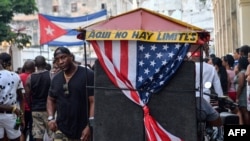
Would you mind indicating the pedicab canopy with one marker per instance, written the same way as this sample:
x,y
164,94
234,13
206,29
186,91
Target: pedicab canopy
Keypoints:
x,y
140,51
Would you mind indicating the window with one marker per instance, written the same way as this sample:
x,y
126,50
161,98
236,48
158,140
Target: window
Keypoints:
x,y
73,7
55,8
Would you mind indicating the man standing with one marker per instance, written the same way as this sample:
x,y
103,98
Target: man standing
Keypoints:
x,y
70,98
38,84
28,68
10,95
205,111
209,74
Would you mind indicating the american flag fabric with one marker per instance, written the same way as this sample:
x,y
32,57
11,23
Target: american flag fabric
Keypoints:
x,y
141,69
61,31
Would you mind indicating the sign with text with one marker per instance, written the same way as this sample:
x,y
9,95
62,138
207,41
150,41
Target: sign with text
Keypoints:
x,y
236,132
142,35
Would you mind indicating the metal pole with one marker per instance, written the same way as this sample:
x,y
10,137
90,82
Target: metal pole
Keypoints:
x,y
86,79
201,88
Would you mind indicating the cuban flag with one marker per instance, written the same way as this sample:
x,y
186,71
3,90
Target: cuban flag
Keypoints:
x,y
61,31
141,69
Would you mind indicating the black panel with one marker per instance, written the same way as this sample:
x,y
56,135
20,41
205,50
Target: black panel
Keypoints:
x,y
119,119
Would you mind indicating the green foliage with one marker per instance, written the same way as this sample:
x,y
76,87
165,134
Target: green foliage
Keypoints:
x,y
7,10
24,6
19,39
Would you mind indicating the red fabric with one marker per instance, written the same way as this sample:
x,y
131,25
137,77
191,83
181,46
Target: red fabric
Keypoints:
x,y
232,95
144,20
24,77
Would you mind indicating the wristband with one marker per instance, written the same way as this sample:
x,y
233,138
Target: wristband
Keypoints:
x,y
14,109
50,118
91,121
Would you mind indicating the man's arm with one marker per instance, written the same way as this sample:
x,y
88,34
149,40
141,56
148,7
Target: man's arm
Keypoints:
x,y
27,87
20,98
91,106
51,106
248,74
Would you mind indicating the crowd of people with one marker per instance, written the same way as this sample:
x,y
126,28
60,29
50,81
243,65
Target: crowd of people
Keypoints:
x,y
41,95
234,74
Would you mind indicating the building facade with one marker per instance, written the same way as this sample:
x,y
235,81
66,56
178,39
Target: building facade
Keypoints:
x,y
195,12
231,20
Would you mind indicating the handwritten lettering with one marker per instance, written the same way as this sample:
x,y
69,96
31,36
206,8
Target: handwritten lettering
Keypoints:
x,y
121,34
190,37
99,34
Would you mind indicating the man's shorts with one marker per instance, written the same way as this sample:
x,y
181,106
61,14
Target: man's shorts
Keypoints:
x,y
59,136
7,123
40,125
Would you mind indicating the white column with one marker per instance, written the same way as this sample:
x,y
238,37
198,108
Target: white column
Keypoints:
x,y
244,14
16,57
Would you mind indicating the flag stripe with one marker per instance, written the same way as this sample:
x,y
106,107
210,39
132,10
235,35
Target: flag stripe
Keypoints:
x,y
100,51
112,72
71,32
70,24
108,50
124,59
132,70
66,38
77,19
75,25
65,44
116,61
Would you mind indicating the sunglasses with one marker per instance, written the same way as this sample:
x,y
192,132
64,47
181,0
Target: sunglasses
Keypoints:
x,y
66,89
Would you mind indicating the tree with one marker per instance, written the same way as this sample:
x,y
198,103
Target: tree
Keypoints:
x,y
8,8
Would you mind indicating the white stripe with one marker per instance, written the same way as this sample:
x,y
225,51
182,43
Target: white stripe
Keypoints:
x,y
67,39
116,56
172,137
156,134
147,132
132,66
75,25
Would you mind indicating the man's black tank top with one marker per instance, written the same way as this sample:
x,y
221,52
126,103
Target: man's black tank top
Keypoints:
x,y
40,83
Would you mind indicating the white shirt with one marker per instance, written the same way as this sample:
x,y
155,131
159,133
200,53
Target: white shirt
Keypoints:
x,y
10,82
209,75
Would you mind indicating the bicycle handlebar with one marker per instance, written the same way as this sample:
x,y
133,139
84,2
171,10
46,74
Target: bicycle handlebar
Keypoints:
x,y
223,101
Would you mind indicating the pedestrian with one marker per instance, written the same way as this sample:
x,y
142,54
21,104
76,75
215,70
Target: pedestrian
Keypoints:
x,y
11,100
38,84
71,99
244,49
240,83
205,112
48,67
228,63
28,68
54,70
222,73
211,56
210,75
248,85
